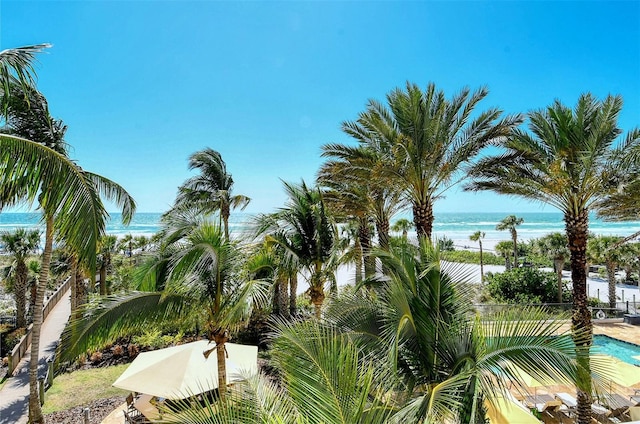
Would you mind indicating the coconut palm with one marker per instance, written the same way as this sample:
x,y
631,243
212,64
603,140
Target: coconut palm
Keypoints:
x,y
426,139
106,248
605,249
195,281
504,249
555,247
478,236
567,160
306,232
403,225
19,244
510,223
210,191
418,321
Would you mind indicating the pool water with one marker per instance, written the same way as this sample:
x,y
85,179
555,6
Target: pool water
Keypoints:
x,y
622,350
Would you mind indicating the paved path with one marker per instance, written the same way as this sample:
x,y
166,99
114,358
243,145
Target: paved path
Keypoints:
x,y
14,395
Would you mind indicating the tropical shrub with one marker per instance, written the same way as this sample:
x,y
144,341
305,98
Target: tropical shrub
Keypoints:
x,y
523,285
469,257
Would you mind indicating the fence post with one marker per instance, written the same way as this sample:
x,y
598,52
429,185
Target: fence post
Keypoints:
x,y
50,372
85,416
598,295
623,295
627,306
634,304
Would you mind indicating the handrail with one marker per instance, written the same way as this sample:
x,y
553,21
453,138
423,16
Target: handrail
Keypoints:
x,y
20,349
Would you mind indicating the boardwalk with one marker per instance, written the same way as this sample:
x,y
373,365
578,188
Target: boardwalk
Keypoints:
x,y
14,396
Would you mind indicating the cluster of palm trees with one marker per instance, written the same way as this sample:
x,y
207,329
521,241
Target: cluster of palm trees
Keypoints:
x,y
402,345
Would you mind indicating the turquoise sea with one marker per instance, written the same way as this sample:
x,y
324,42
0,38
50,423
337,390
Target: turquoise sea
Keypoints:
x,y
457,226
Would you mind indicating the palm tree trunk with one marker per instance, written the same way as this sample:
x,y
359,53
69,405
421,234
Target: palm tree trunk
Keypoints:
x,y
103,280
293,293
73,275
358,261
577,226
35,411
382,226
316,291
365,241
559,264
81,288
283,295
481,264
514,237
20,293
611,276
225,212
423,219
220,340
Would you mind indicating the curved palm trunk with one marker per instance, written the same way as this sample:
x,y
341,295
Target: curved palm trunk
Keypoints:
x,y
577,231
358,261
293,293
20,291
423,219
35,411
559,264
611,276
481,264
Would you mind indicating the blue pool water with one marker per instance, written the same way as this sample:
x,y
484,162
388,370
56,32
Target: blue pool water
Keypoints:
x,y
622,350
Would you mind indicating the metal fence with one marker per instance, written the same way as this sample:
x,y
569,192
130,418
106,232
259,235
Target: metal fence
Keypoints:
x,y
600,311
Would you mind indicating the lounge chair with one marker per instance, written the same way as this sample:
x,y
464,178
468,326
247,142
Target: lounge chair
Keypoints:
x,y
634,413
551,405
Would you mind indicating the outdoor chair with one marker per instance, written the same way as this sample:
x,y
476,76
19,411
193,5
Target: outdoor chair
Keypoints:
x,y
634,413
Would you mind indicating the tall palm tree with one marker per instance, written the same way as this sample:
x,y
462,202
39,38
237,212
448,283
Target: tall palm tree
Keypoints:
x,y
504,249
478,236
427,139
604,249
20,244
555,247
305,230
568,160
510,223
211,189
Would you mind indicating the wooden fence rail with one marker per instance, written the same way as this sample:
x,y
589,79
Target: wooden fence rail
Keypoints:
x,y
20,349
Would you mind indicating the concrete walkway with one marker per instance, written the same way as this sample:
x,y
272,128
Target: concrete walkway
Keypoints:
x,y
14,395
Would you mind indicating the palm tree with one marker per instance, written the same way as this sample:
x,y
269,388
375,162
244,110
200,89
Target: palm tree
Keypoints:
x,y
403,225
478,236
510,223
568,160
604,249
106,247
555,247
426,139
196,280
504,249
20,244
306,232
211,189
417,320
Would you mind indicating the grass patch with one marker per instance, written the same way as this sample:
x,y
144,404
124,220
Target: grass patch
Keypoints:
x,y
81,387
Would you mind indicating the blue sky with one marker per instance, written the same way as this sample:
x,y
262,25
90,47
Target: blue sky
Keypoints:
x,y
143,84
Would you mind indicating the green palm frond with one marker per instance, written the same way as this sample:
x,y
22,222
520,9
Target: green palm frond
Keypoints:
x,y
327,377
18,63
118,316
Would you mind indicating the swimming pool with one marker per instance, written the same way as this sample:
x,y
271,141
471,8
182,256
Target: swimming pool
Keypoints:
x,y
622,350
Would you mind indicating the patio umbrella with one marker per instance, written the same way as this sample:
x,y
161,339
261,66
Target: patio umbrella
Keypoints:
x,y
509,411
528,380
181,371
616,371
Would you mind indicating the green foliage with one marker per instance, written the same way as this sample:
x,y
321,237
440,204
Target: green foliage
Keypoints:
x,y
154,339
10,340
523,285
445,244
469,257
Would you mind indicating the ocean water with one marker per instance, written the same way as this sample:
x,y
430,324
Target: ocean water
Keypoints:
x,y
457,226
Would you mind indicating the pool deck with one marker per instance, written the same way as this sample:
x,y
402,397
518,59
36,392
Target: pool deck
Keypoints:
x,y
618,330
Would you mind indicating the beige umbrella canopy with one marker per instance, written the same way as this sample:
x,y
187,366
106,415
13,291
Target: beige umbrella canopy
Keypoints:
x,y
508,411
613,370
181,371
